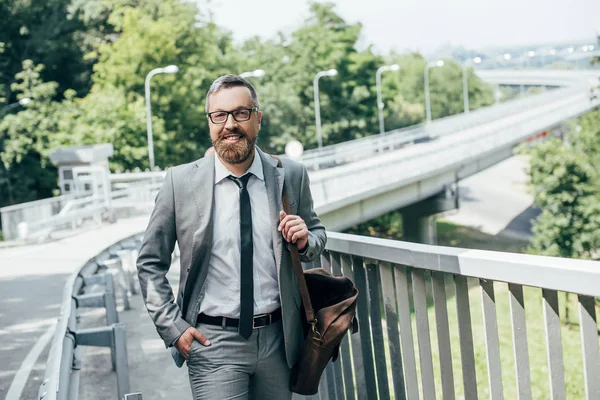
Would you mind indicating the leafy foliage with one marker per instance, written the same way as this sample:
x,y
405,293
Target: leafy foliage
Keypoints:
x,y
565,179
84,64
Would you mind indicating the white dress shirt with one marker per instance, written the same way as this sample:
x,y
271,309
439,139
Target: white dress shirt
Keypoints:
x,y
222,285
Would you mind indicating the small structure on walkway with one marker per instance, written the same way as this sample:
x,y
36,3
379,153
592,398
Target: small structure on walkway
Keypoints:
x,y
72,162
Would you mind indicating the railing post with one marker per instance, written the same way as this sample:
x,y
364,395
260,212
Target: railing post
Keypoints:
x,y
122,368
126,265
115,265
112,317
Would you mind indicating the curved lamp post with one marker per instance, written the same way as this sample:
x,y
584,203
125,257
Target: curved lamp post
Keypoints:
x,y
171,69
474,61
432,64
258,73
380,105
331,72
22,102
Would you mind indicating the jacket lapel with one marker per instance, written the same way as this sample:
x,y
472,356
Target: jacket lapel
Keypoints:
x,y
202,187
274,178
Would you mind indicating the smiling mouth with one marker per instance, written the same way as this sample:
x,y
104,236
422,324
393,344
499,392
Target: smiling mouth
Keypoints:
x,y
232,138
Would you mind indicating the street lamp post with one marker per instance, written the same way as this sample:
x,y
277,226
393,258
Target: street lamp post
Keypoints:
x,y
331,72
530,54
258,73
22,102
432,64
380,105
170,69
476,60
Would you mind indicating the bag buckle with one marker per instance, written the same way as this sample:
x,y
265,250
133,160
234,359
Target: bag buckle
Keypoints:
x,y
313,328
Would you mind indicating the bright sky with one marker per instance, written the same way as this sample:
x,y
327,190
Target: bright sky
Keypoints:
x,y
426,24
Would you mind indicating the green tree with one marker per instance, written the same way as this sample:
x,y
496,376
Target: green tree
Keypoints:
x,y
156,34
111,45
27,137
565,181
59,34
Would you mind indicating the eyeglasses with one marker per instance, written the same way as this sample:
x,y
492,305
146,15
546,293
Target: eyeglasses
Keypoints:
x,y
240,115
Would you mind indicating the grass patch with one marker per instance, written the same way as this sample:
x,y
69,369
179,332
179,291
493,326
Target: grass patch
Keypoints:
x,y
389,226
536,337
453,235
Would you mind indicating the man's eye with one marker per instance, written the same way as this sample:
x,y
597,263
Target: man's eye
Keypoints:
x,y
219,115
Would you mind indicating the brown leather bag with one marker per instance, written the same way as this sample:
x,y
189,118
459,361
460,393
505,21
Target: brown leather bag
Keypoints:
x,y
329,312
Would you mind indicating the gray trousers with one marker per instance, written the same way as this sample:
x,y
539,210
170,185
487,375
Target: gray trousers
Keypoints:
x,y
235,368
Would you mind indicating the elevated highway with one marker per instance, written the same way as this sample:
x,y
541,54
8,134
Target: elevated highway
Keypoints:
x,y
355,181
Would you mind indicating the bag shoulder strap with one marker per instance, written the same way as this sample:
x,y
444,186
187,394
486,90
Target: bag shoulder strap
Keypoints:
x,y
308,309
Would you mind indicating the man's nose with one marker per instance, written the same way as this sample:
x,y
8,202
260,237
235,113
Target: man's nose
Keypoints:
x,y
230,122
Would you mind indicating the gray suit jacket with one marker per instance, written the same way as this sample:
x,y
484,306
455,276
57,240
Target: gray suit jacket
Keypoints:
x,y
183,213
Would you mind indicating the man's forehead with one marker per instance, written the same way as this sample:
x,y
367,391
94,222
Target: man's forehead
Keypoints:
x,y
230,98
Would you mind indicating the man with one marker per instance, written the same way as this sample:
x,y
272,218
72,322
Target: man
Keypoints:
x,y
236,319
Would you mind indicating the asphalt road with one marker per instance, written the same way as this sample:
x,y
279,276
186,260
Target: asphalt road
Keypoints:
x,y
497,201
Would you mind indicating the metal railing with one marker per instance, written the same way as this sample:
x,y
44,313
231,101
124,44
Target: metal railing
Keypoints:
x,y
405,285
61,378
92,207
33,211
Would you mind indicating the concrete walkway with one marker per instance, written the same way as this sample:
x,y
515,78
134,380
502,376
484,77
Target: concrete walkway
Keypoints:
x,y
151,368
31,283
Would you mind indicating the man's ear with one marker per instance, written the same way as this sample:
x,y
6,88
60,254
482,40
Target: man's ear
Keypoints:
x,y
259,119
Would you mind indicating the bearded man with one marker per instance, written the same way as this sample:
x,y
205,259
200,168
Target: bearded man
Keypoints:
x,y
236,317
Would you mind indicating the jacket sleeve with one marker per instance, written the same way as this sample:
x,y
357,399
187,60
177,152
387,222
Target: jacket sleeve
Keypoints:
x,y
153,263
316,231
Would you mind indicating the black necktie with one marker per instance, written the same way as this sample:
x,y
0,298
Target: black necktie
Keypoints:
x,y
246,255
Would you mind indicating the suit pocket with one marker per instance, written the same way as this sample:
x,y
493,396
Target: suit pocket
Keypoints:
x,y
193,350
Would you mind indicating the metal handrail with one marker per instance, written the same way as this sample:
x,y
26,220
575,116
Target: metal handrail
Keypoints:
x,y
50,200
46,226
58,383
406,287
522,269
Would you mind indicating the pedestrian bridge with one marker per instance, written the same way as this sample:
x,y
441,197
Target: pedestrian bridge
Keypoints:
x,y
400,351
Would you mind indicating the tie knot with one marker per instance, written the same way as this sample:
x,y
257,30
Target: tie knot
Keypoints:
x,y
242,182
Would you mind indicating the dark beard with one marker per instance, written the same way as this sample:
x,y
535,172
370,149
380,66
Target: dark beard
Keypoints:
x,y
234,153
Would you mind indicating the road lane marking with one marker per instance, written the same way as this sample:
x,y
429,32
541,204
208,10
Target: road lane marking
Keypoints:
x,y
20,379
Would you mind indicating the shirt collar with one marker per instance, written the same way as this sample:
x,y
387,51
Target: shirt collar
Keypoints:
x,y
256,168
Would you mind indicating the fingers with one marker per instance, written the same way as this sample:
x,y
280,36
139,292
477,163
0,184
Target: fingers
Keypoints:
x,y
290,225
184,343
296,232
300,233
200,337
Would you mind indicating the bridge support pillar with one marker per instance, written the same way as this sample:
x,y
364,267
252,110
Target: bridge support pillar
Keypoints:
x,y
418,219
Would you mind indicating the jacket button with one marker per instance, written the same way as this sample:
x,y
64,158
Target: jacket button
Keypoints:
x,y
188,269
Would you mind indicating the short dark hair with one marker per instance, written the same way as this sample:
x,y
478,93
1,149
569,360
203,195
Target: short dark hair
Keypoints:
x,y
228,81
